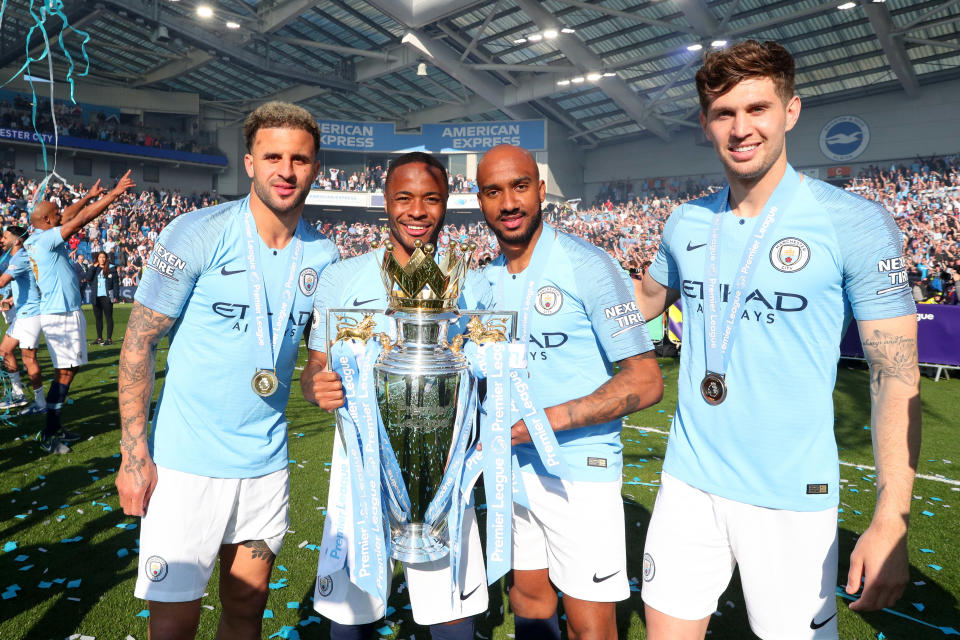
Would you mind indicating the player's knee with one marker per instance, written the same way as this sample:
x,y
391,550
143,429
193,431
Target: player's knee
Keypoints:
x,y
172,623
242,601
533,600
597,627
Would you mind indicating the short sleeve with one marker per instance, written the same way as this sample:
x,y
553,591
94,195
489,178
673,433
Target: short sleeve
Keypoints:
x,y
19,264
874,269
171,273
328,296
664,268
606,293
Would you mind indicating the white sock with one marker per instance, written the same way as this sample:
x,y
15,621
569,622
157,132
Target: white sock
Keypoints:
x,y
39,398
15,385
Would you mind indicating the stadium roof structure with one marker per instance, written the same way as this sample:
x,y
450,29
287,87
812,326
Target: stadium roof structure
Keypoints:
x,y
606,70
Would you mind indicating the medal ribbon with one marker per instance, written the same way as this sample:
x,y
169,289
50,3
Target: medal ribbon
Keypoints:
x,y
718,338
265,341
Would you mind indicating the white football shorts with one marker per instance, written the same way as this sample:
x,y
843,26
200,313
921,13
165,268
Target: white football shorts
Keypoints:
x,y
787,560
26,331
428,584
190,516
576,531
66,335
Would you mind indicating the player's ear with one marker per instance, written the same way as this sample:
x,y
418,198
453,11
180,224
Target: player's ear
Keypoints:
x,y
248,165
793,112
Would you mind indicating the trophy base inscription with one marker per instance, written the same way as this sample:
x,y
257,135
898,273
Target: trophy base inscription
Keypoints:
x,y
415,542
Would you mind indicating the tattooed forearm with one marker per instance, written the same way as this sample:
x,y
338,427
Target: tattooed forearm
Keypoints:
x,y
259,550
138,357
891,357
637,385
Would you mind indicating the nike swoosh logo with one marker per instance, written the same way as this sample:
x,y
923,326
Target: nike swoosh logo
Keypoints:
x,y
815,625
357,303
691,246
224,271
596,579
464,596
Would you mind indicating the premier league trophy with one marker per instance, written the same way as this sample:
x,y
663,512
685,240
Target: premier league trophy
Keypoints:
x,y
423,383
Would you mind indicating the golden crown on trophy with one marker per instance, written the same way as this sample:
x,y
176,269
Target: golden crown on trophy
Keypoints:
x,y
425,283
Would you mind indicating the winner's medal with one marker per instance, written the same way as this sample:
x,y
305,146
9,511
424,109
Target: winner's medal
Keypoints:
x,y
267,339
265,383
713,388
722,323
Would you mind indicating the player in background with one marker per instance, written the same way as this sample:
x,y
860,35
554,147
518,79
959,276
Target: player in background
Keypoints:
x,y
61,318
770,271
24,331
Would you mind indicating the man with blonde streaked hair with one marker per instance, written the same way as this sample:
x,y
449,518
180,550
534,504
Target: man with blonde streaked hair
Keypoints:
x,y
233,286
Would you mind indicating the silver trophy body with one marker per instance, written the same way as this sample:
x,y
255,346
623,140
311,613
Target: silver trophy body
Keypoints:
x,y
420,382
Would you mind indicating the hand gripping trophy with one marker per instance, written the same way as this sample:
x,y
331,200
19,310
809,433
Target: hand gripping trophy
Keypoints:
x,y
425,401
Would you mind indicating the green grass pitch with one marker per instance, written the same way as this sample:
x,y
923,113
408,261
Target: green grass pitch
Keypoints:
x,y
75,565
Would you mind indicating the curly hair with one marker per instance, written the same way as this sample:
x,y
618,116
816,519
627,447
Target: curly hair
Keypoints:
x,y
280,115
723,69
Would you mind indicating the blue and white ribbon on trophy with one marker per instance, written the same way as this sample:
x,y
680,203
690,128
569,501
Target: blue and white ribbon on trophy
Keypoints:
x,y
361,428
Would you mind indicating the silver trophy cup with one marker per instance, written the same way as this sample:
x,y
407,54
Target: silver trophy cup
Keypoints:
x,y
420,383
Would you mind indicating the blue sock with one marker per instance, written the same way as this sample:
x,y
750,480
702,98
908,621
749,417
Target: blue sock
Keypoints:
x,y
537,628
462,630
350,631
56,396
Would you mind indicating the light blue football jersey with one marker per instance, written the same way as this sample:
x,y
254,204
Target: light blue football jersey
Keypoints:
x,y
584,318
356,283
59,288
832,256
26,294
208,420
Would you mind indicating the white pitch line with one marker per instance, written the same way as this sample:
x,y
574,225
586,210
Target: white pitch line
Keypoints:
x,y
922,476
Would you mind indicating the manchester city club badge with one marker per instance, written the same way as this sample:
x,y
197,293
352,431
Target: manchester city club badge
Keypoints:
x,y
156,568
789,255
265,383
714,388
549,300
308,281
325,586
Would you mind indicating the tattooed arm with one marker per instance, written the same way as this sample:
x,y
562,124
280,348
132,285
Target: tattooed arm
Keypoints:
x,y
638,384
880,556
137,476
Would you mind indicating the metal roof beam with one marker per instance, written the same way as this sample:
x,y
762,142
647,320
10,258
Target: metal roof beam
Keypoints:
x,y
933,43
336,48
879,16
274,17
578,53
915,23
209,41
194,58
699,17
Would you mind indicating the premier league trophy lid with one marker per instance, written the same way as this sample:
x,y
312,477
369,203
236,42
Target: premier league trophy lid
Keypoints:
x,y
424,283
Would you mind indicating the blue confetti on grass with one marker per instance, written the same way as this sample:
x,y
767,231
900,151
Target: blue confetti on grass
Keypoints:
x,y
929,514
144,614
935,567
267,614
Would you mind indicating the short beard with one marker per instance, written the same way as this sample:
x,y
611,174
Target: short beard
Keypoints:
x,y
524,237
265,197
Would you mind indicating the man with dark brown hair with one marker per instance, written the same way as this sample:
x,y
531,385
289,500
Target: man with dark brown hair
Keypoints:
x,y
233,286
770,271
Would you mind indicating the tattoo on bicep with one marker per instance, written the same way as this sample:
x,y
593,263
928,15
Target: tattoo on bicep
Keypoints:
x,y
891,356
259,550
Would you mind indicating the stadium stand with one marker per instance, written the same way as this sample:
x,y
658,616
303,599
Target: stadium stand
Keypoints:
x,y
922,194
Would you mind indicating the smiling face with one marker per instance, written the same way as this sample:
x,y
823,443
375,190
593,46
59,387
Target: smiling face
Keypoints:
x,y
282,167
416,201
510,194
748,126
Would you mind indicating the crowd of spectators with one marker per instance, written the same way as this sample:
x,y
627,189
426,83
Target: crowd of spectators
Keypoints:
x,y
73,120
126,232
924,197
372,178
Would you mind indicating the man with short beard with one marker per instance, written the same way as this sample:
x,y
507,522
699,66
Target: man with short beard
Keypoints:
x,y
416,201
578,317
233,285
